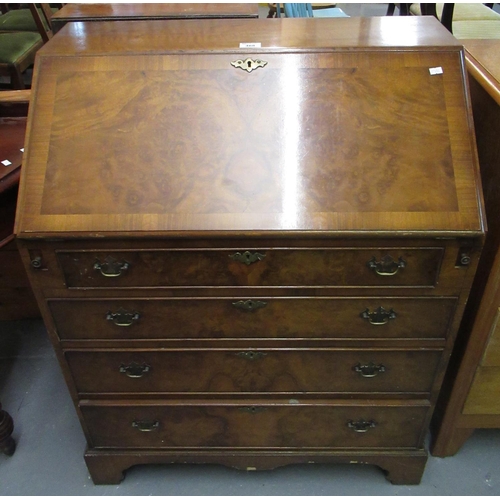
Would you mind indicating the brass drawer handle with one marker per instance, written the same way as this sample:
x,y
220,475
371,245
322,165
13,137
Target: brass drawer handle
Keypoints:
x,y
134,370
387,266
378,317
252,409
361,425
370,370
146,426
122,317
247,257
111,268
251,355
248,64
249,305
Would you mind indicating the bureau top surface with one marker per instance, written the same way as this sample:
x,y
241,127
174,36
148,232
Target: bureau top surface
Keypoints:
x,y
331,126
115,11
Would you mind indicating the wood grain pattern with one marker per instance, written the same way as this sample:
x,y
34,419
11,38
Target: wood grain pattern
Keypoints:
x,y
255,371
287,318
337,267
286,185
216,156
230,426
282,34
450,282
217,165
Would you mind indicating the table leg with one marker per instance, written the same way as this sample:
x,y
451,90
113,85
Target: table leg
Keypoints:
x,y
7,444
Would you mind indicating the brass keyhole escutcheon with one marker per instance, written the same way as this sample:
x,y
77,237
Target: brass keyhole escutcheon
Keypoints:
x,y
249,305
248,64
247,257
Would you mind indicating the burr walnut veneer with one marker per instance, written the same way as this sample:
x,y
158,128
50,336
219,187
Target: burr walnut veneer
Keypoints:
x,y
252,256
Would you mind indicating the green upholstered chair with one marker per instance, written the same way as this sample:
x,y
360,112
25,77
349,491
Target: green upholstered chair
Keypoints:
x,y
17,53
22,19
18,48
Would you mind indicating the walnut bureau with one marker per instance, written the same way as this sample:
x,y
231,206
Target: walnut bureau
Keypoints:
x,y
252,256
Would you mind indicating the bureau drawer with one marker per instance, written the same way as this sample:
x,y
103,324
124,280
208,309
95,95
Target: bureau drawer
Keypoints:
x,y
240,317
277,425
253,371
263,267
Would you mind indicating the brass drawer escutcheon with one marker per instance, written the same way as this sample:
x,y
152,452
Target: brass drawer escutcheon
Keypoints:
x,y
252,409
248,64
249,305
123,317
251,355
361,425
111,268
378,317
134,370
387,266
247,257
146,426
370,370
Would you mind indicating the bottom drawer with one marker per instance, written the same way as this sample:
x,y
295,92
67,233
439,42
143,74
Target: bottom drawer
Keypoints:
x,y
262,425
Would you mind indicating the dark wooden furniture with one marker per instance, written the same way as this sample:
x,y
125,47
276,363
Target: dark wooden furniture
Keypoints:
x,y
252,257
74,12
469,398
7,443
16,297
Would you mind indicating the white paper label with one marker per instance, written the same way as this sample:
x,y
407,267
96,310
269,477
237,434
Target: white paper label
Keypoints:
x,y
6,163
436,71
250,45
22,150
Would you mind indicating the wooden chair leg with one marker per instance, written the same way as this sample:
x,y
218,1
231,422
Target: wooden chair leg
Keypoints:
x,y
16,79
7,443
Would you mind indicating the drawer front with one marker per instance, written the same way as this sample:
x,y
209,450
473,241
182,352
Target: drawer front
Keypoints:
x,y
252,371
333,267
321,317
263,426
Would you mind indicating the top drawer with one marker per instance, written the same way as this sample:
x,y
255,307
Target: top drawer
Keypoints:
x,y
260,267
